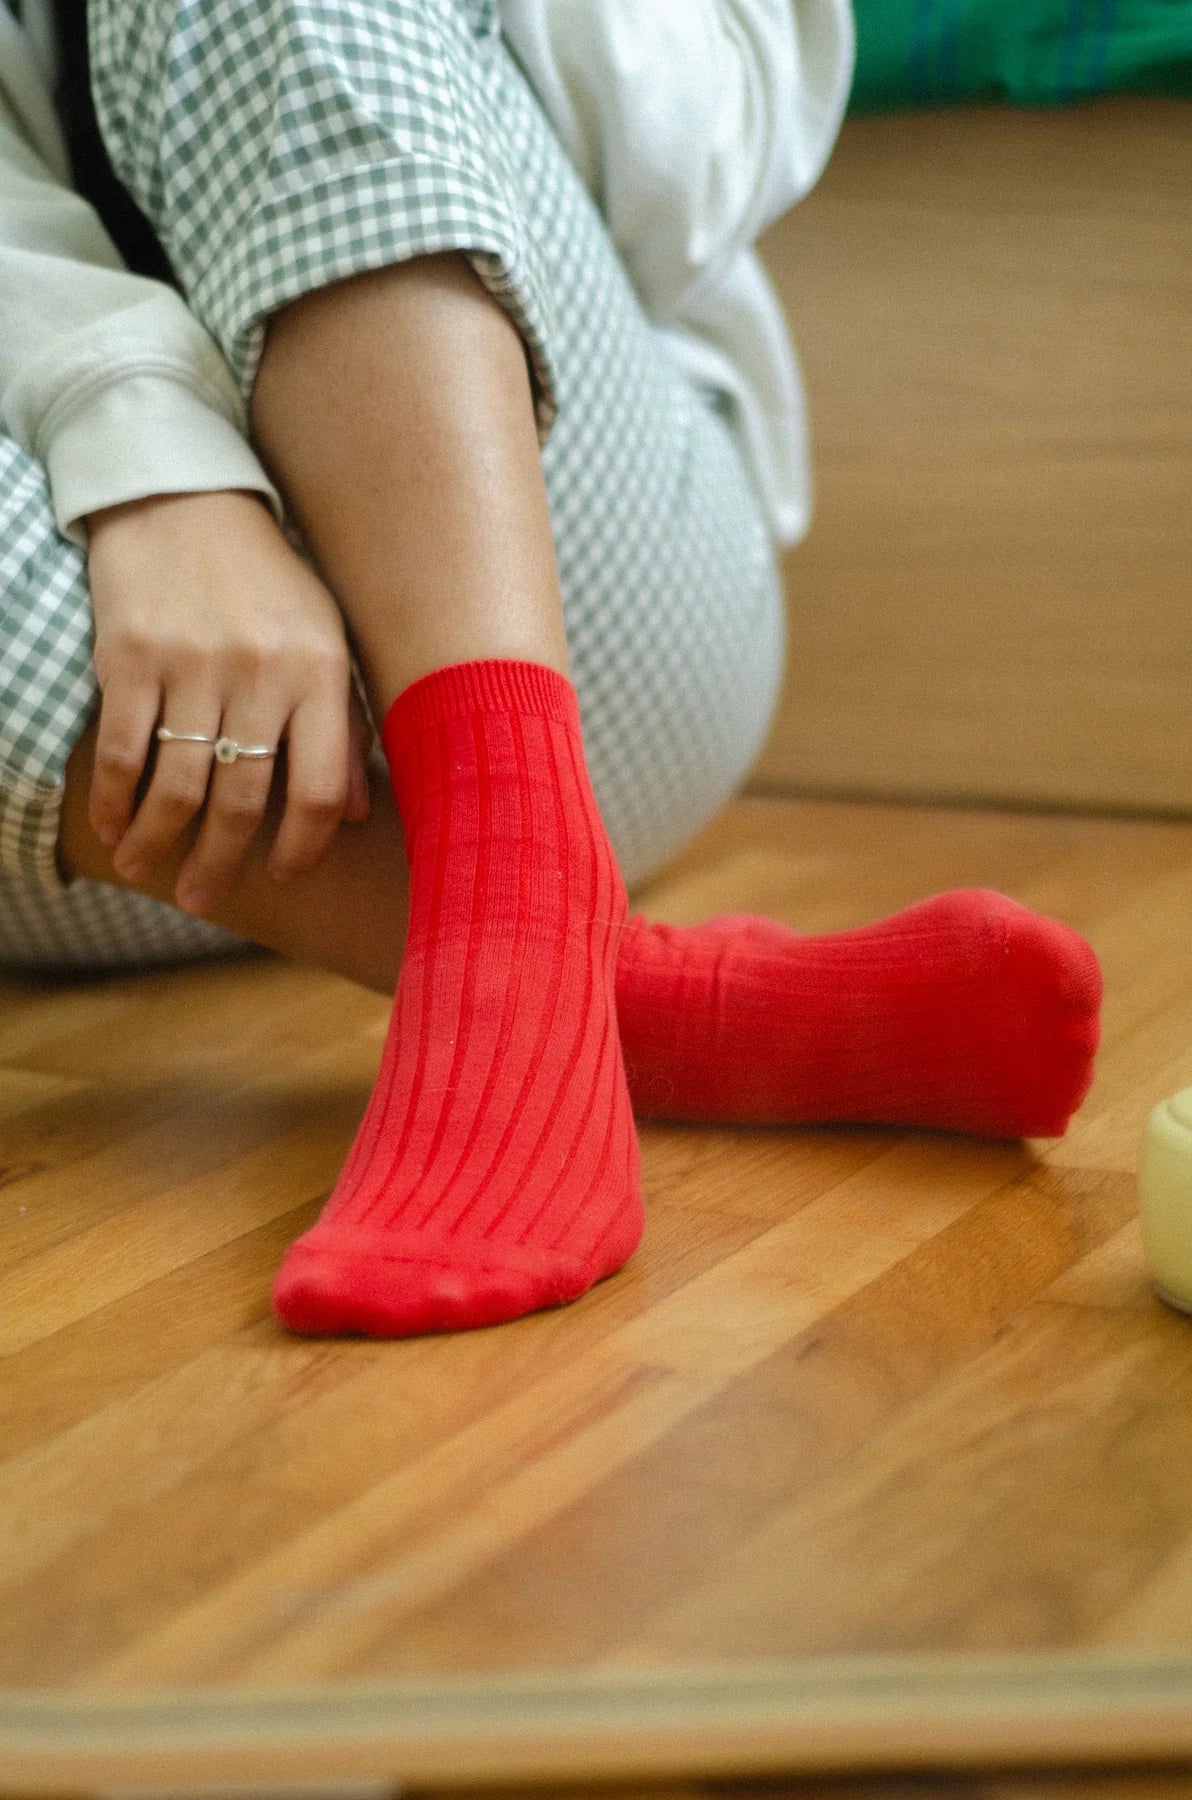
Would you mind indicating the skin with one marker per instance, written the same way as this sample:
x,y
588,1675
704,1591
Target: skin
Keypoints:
x,y
208,621
395,414
347,914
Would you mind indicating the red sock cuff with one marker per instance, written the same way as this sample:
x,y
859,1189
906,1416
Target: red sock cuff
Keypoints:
x,y
462,689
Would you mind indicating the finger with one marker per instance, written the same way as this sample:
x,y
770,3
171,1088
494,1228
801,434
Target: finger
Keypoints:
x,y
236,803
126,720
360,741
178,788
316,783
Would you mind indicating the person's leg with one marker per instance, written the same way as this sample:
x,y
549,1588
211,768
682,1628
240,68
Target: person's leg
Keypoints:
x,y
411,381
965,1012
671,599
497,1167
674,628
975,1014
495,1170
849,1027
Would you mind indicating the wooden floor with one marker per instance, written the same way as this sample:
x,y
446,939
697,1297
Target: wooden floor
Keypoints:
x,y
863,1394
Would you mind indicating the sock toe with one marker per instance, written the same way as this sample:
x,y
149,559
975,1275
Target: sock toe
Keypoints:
x,y
1057,987
1056,959
329,1287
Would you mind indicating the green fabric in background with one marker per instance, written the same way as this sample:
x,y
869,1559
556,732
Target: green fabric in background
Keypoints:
x,y
916,53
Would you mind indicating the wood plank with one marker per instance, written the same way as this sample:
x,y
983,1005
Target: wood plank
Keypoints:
x,y
322,1602
645,1536
1000,1497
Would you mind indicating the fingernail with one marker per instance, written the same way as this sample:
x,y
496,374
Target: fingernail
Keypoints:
x,y
194,900
108,834
129,869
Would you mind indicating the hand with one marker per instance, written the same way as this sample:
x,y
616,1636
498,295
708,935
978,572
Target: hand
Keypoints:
x,y
207,621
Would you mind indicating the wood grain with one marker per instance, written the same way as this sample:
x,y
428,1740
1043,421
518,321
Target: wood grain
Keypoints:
x,y
994,313
878,1455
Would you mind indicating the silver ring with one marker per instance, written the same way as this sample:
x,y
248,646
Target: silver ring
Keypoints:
x,y
182,737
227,750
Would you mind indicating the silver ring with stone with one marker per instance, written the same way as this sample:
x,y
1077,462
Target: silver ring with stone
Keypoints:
x,y
227,750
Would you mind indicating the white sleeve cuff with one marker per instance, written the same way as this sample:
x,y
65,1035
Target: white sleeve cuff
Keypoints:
x,y
144,434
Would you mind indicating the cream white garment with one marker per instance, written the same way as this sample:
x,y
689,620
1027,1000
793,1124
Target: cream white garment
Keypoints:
x,y
105,377
694,124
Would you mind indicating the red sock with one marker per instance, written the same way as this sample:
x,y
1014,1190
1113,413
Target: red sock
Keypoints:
x,y
496,1168
965,1013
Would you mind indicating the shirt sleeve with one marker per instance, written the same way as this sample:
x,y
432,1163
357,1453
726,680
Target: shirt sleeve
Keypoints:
x,y
105,377
693,123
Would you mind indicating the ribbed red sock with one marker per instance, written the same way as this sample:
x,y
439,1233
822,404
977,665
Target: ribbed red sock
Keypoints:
x,y
966,1013
496,1168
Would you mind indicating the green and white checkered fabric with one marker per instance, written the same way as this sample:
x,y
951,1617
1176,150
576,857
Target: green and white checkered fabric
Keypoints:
x,y
45,632
278,147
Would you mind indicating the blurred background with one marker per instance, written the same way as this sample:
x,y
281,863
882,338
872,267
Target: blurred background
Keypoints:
x,y
991,293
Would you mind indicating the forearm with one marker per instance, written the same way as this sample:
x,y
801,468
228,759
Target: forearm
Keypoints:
x,y
395,413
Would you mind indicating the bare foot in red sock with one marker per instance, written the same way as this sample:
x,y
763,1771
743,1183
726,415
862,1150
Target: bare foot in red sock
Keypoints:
x,y
966,1012
496,1169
